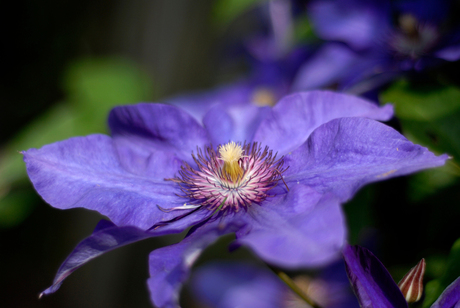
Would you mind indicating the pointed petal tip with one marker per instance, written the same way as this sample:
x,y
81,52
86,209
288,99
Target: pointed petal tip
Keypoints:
x,y
42,294
411,285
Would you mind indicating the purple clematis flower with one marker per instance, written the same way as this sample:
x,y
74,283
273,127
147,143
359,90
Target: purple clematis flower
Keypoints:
x,y
375,288
273,61
227,284
369,43
276,180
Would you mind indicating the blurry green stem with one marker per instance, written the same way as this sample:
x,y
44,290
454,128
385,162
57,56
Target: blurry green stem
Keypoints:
x,y
291,284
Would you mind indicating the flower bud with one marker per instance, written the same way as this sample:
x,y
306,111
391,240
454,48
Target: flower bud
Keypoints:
x,y
411,285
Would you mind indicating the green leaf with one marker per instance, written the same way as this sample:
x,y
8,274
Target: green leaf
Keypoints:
x,y
303,30
435,287
56,124
422,103
15,207
453,265
431,293
94,86
429,182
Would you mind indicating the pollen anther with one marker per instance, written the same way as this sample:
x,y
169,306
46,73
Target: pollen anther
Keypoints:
x,y
231,154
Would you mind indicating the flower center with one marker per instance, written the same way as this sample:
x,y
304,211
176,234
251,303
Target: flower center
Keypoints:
x,y
414,39
229,180
264,97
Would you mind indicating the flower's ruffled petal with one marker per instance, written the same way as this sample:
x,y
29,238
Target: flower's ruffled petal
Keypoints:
x,y
231,284
86,172
328,66
170,266
297,115
300,229
355,22
233,123
371,282
157,127
343,155
105,237
146,162
450,298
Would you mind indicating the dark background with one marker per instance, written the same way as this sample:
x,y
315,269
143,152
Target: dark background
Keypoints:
x,y
174,45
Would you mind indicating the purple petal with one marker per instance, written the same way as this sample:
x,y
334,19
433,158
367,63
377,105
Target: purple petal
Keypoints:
x,y
366,81
343,155
157,127
170,266
106,237
86,172
231,284
144,161
300,229
326,67
338,65
355,22
371,282
450,53
450,298
233,123
198,104
297,115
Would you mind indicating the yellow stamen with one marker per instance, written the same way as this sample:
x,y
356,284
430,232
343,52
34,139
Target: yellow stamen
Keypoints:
x,y
264,97
231,153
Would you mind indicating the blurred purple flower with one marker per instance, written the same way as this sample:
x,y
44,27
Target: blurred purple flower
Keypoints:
x,y
366,48
227,284
375,288
147,181
271,57
274,57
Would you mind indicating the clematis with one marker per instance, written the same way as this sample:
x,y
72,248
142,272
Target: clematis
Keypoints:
x,y
275,177
374,286
369,43
231,284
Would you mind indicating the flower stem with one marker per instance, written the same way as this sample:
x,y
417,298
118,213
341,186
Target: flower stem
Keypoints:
x,y
291,284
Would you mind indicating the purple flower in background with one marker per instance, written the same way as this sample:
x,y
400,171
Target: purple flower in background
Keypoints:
x,y
374,286
227,284
273,63
370,43
274,58
273,176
